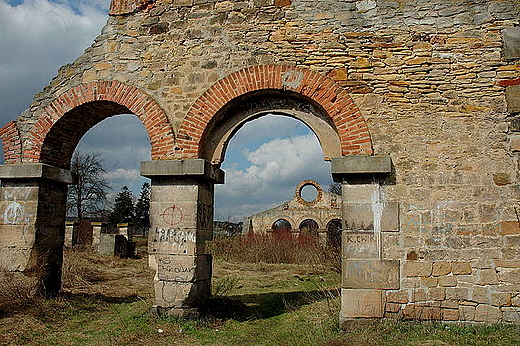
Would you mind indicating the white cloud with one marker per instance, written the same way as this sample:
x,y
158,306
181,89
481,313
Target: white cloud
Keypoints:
x,y
126,174
276,167
39,36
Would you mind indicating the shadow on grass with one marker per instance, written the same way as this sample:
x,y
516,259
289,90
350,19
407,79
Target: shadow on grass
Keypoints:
x,y
263,305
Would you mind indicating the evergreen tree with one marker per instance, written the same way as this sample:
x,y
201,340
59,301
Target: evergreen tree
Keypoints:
x,y
123,207
142,209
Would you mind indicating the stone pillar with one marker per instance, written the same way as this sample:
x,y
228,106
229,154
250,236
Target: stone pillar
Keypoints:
x,y
366,214
98,228
71,233
181,216
125,229
33,201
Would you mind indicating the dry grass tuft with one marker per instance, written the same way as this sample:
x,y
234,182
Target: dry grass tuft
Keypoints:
x,y
276,248
16,288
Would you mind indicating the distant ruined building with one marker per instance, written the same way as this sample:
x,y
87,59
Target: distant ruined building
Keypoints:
x,y
319,217
416,104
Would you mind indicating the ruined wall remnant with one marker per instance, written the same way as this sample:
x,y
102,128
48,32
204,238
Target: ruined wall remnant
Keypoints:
x,y
415,102
317,217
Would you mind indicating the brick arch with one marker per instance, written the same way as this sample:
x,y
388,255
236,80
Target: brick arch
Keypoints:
x,y
125,96
345,115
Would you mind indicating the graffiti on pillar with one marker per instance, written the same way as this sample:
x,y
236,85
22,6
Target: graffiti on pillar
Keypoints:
x,y
172,216
174,239
170,270
15,213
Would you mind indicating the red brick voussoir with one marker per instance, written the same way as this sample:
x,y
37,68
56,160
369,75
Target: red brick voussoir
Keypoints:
x,y
153,117
350,125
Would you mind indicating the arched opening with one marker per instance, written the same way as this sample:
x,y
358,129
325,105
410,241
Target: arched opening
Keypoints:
x,y
281,226
309,227
231,118
65,134
50,145
334,233
272,238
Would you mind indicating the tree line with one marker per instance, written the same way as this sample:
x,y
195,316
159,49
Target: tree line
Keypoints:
x,y
87,197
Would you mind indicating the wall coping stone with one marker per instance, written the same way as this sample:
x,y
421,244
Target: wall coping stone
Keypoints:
x,y
361,164
198,168
35,171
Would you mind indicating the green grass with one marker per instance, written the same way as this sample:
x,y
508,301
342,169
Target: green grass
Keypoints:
x,y
259,304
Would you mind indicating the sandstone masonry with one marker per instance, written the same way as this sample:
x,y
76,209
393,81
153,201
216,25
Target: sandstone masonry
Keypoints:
x,y
433,85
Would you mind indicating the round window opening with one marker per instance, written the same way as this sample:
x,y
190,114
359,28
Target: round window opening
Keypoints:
x,y
309,192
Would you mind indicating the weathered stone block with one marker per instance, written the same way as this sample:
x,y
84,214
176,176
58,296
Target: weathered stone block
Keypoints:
x,y
371,216
358,245
514,142
359,194
450,314
441,268
457,293
511,314
511,37
392,307
397,297
480,295
422,311
466,313
460,268
35,170
501,299
356,303
175,241
429,281
173,294
513,98
515,301
488,277
437,293
509,227
375,274
419,268
182,268
418,295
487,313
107,244
447,281
182,168
361,164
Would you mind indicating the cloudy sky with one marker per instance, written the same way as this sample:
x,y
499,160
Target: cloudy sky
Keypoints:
x,y
264,162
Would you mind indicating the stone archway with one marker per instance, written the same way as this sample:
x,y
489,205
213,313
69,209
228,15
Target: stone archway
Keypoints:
x,y
36,178
85,105
187,184
320,94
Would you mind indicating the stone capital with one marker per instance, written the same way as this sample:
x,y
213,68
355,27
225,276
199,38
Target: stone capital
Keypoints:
x,y
360,164
35,171
185,168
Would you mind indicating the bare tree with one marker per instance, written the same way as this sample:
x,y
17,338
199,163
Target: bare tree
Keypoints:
x,y
88,196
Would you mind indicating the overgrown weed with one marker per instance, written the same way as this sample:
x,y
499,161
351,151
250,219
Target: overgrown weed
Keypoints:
x,y
276,248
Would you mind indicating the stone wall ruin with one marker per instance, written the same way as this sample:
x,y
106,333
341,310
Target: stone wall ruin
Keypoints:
x,y
415,102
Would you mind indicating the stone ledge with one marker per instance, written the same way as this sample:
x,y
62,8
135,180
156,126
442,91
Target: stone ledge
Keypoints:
x,y
35,171
199,168
359,164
